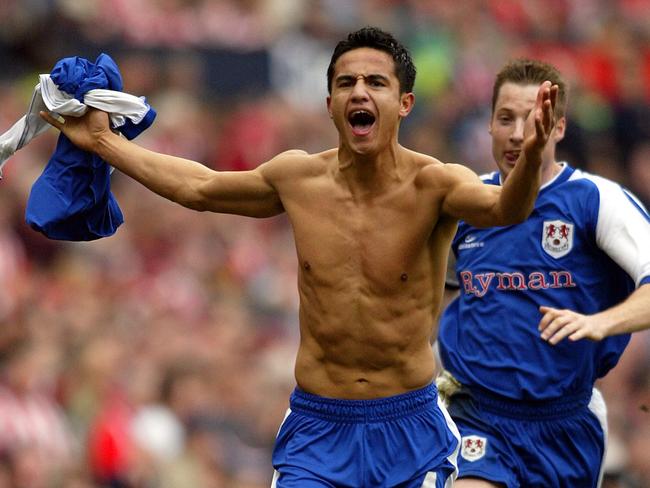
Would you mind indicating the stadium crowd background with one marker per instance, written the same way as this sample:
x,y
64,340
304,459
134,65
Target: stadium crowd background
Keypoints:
x,y
163,356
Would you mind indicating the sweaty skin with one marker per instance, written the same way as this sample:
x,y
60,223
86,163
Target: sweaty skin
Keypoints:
x,y
372,220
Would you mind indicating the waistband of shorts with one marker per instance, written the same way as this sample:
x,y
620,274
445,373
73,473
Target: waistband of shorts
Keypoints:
x,y
552,408
362,411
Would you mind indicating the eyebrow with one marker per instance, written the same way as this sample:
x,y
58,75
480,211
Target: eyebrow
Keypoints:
x,y
370,77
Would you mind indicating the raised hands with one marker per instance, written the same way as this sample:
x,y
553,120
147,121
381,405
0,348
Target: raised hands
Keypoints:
x,y
542,118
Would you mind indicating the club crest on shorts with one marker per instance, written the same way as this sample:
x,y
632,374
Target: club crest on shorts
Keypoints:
x,y
473,447
557,238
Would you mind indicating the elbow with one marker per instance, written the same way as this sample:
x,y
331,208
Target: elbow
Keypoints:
x,y
519,218
514,219
196,204
191,200
524,213
510,217
517,215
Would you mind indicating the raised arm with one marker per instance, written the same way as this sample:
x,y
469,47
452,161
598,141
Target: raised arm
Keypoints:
x,y
186,182
488,205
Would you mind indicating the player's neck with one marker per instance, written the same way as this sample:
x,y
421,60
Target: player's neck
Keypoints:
x,y
550,171
374,158
369,172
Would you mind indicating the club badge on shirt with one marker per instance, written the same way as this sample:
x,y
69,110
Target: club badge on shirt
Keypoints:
x,y
473,447
557,238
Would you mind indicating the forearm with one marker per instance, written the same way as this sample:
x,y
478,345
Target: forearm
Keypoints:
x,y
632,315
519,191
174,178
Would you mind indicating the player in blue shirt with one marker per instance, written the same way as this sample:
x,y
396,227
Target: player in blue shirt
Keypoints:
x,y
545,308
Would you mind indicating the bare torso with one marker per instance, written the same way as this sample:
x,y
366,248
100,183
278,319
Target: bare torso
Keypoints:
x,y
371,272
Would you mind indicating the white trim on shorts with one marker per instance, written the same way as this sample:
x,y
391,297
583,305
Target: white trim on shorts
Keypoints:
x,y
453,457
599,409
276,473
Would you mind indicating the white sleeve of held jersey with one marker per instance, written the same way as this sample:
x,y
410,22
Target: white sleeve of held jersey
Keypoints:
x,y
623,231
118,104
48,97
25,129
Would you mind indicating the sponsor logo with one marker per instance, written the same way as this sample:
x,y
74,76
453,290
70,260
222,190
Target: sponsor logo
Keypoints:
x,y
473,447
557,238
478,284
470,242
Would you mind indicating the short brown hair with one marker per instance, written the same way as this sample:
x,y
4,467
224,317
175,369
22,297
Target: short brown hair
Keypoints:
x,y
376,38
534,72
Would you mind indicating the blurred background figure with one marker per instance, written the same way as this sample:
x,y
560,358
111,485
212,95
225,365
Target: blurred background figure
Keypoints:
x,y
145,359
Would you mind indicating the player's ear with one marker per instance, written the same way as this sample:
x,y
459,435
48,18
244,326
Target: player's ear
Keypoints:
x,y
329,106
407,100
559,129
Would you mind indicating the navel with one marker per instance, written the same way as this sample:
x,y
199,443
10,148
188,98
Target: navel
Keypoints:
x,y
404,277
306,265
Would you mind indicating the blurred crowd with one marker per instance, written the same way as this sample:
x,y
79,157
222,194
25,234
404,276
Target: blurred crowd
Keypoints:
x,y
162,357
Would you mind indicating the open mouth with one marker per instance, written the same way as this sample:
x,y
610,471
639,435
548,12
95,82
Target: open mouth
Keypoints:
x,y
361,122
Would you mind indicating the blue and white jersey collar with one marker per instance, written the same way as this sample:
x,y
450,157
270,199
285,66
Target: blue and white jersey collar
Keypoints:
x,y
563,175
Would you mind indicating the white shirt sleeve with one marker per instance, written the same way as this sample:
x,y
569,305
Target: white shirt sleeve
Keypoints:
x,y
623,231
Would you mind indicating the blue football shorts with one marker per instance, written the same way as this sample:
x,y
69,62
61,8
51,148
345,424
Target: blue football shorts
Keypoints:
x,y
406,441
559,444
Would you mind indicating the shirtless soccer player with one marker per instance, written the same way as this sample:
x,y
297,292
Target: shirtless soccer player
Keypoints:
x,y
373,222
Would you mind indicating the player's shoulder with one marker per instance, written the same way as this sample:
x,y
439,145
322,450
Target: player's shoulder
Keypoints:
x,y
609,192
291,156
293,163
597,185
432,171
300,156
593,180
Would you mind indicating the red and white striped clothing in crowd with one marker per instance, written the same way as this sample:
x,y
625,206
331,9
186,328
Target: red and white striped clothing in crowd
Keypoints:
x,y
35,422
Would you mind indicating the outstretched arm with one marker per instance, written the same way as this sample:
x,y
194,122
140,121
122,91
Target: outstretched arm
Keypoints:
x,y
186,182
632,315
487,205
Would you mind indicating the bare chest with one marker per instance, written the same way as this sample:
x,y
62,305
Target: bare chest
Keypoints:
x,y
383,240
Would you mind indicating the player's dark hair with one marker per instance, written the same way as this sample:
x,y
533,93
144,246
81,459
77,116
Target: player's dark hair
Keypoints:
x,y
375,38
532,72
